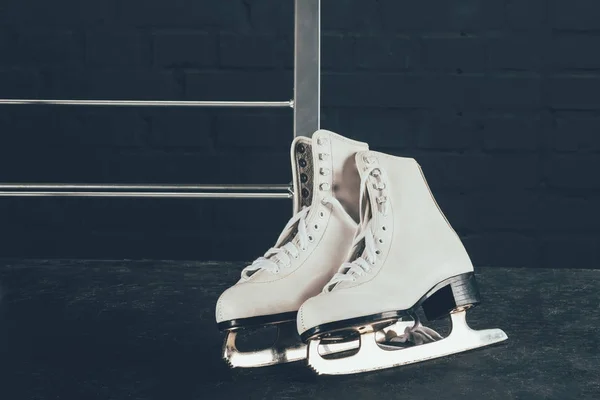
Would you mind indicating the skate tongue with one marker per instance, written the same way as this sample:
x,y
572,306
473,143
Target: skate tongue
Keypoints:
x,y
359,266
363,251
283,258
372,209
285,248
275,258
360,249
289,241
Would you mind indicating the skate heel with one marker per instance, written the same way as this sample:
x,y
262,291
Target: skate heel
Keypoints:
x,y
457,293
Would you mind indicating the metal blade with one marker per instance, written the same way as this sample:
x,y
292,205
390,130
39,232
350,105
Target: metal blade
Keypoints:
x,y
372,357
289,348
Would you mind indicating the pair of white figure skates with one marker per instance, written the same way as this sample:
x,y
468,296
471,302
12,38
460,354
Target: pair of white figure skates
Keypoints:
x,y
366,247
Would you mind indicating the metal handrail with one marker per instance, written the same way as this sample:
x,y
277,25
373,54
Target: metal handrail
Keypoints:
x,y
147,103
145,190
305,105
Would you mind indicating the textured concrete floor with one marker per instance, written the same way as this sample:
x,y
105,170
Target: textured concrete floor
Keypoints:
x,y
89,330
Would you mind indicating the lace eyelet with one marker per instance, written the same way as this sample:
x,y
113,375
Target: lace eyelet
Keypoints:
x,y
317,227
311,238
378,252
383,228
323,156
324,186
321,214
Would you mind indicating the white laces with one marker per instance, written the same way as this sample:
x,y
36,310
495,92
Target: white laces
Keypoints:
x,y
362,265
359,267
414,334
277,257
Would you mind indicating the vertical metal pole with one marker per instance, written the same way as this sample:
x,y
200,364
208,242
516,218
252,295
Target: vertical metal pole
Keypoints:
x,y
307,67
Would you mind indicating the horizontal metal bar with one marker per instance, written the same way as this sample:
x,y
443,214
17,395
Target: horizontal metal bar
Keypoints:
x,y
144,190
147,103
111,186
215,195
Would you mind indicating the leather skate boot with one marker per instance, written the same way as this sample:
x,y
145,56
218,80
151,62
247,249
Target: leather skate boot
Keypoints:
x,y
405,256
306,255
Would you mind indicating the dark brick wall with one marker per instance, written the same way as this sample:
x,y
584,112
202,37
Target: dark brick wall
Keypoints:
x,y
499,100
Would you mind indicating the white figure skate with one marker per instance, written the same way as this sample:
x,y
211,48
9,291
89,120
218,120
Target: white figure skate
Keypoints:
x,y
307,254
405,256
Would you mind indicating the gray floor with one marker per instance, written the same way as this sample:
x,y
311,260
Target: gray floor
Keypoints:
x,y
145,330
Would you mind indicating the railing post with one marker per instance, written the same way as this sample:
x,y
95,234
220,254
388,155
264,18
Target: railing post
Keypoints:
x,y
307,67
